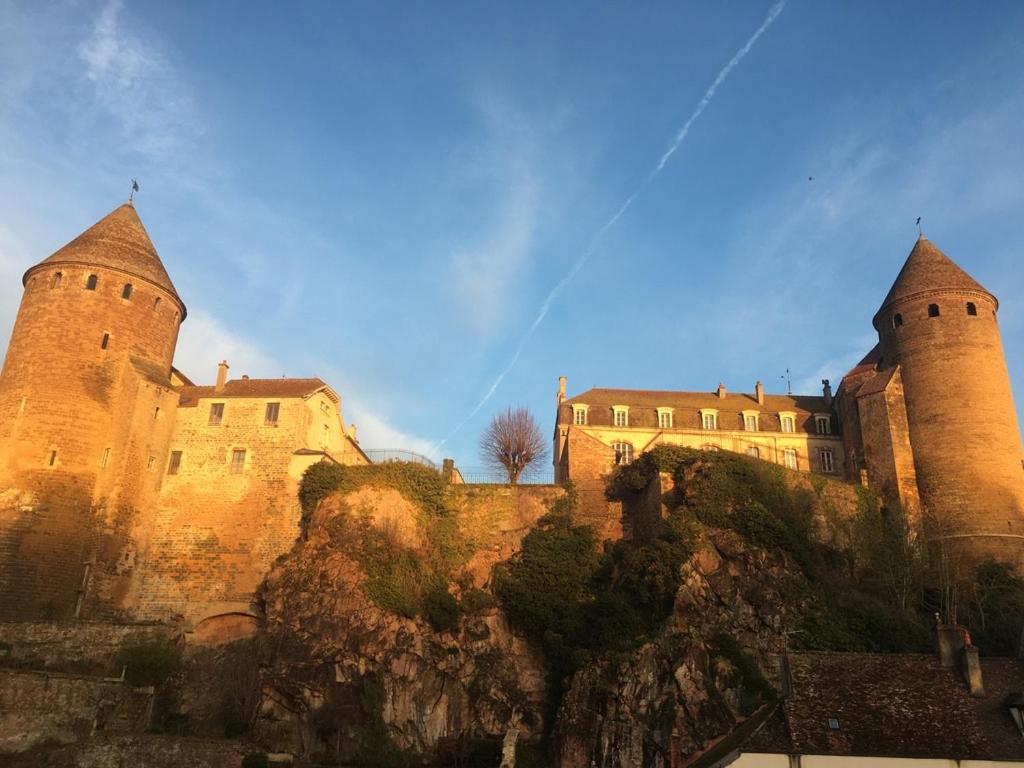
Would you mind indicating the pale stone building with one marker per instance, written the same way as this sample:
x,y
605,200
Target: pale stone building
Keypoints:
x,y
124,488
602,428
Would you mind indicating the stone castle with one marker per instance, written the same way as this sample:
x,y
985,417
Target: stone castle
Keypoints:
x,y
124,488
926,418
127,490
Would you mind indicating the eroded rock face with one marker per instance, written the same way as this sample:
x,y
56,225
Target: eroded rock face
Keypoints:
x,y
671,698
345,678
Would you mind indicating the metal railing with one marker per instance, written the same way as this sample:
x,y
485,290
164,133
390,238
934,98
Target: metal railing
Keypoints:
x,y
490,476
384,455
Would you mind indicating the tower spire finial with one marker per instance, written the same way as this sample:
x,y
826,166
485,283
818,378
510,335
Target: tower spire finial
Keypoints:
x,y
135,188
919,232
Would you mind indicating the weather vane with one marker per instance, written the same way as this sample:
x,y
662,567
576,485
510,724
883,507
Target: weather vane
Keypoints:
x,y
789,385
135,188
918,222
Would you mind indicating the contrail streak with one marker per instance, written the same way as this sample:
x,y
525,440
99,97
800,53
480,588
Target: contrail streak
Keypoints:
x,y
677,141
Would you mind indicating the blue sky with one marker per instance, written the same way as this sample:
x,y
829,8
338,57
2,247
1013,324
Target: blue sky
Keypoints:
x,y
385,194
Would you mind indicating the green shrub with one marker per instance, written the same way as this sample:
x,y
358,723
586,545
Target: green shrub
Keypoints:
x,y
256,760
477,600
756,688
149,663
995,609
441,609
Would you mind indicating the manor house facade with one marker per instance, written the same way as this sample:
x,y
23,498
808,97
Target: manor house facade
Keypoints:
x,y
125,489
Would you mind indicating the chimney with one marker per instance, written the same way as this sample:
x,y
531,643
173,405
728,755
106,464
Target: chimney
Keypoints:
x,y
950,639
222,376
972,668
245,377
720,391
561,389
759,392
826,391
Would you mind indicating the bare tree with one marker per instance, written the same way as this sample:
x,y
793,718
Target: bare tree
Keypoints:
x,y
512,442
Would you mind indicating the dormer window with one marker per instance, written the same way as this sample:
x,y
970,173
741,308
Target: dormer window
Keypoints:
x,y
579,415
620,415
787,420
664,418
972,309
708,418
750,421
823,424
933,310
897,320
126,292
90,282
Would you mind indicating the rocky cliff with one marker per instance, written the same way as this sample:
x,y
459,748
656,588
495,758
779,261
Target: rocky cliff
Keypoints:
x,y
348,679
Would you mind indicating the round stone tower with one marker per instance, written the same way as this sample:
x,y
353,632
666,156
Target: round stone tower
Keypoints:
x,y
939,326
86,373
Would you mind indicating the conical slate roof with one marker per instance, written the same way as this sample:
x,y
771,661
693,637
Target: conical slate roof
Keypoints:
x,y
117,241
929,269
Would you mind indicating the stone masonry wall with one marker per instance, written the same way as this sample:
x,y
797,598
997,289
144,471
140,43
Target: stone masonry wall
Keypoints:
x,y
217,532
38,707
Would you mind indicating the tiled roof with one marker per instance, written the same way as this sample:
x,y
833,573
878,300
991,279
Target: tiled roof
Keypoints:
x,y
899,705
283,388
117,241
929,269
735,401
643,405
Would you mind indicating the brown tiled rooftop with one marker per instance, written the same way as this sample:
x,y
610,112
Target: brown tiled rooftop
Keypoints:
x,y
736,401
899,705
283,388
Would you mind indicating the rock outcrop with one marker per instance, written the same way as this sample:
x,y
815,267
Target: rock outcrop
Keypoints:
x,y
344,678
672,697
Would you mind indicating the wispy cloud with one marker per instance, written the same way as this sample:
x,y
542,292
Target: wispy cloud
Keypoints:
x,y
134,80
504,167
598,236
204,341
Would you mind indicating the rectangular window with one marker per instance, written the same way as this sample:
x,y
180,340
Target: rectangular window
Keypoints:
x,y
105,458
237,461
665,420
325,437
150,463
750,422
823,425
709,421
827,460
789,457
579,417
273,409
621,418
53,458
216,413
623,453
175,463
753,451
788,423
